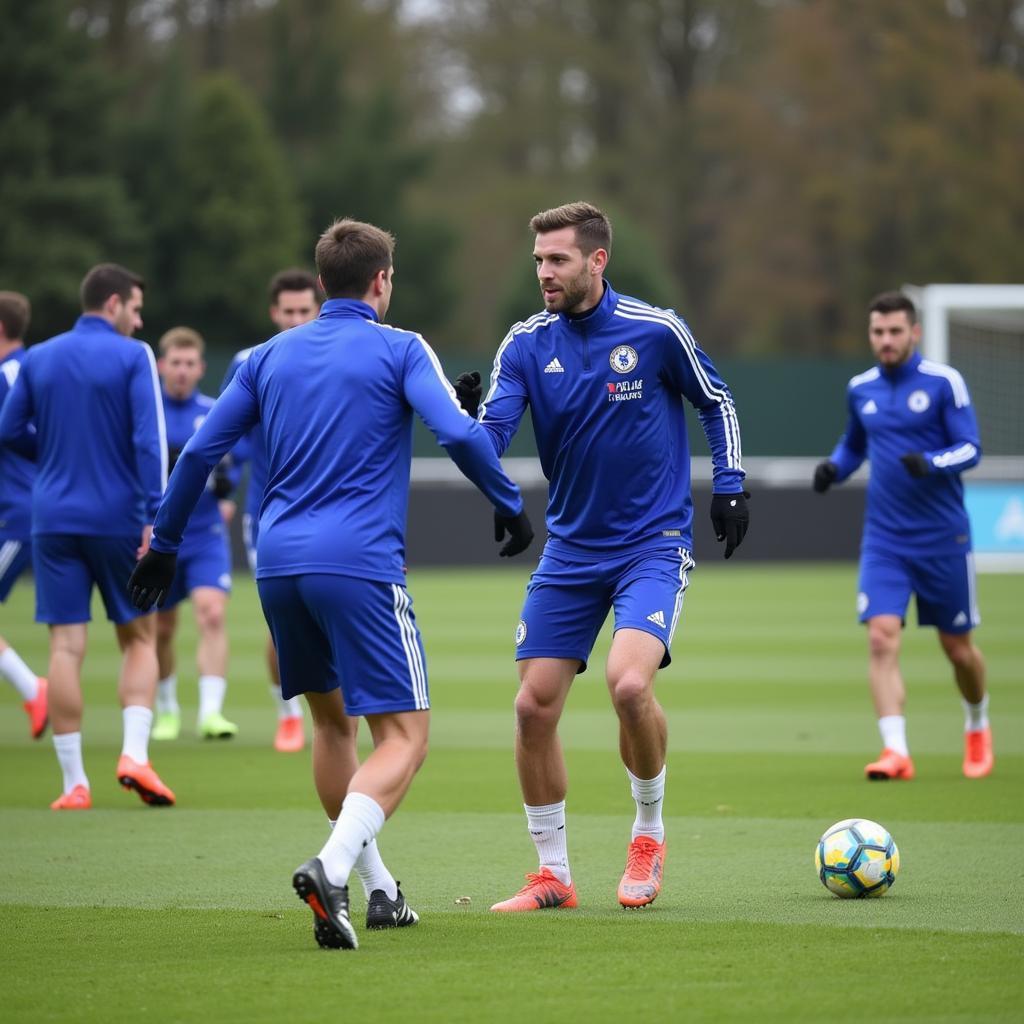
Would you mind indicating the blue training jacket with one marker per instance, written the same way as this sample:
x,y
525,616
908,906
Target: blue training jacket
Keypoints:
x,y
183,417
17,471
94,397
606,395
919,407
334,399
252,449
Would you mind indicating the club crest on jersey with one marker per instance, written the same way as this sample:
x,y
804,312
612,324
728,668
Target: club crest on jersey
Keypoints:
x,y
625,390
918,401
520,633
862,603
623,359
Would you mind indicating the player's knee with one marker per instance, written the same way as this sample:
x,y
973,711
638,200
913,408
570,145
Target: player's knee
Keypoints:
x,y
959,650
534,713
631,693
883,638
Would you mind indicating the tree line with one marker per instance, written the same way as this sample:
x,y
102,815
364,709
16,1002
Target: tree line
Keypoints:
x,y
768,164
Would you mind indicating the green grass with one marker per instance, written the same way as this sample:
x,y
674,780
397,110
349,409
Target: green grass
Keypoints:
x,y
184,914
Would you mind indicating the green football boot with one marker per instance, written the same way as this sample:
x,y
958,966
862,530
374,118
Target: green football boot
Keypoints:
x,y
167,725
216,727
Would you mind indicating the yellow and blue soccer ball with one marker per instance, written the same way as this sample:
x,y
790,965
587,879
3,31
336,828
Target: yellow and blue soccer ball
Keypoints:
x,y
856,858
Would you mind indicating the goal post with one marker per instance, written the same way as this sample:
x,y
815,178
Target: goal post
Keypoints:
x,y
979,330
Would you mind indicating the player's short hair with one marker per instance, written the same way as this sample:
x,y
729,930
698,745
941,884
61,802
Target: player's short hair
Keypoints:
x,y
349,256
106,279
292,280
15,313
181,337
593,228
894,302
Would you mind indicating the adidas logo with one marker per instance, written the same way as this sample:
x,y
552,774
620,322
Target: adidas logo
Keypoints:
x,y
868,407
554,366
658,618
961,619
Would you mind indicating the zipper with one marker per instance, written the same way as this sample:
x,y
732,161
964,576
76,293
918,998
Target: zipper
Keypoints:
x,y
586,350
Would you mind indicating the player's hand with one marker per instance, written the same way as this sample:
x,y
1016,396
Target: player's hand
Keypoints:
x,y
825,474
730,519
220,481
151,580
915,464
469,392
173,454
519,530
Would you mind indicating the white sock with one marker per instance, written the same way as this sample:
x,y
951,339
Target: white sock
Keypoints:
x,y
18,674
167,695
976,715
894,733
69,755
373,873
211,695
290,708
546,823
137,723
357,826
649,795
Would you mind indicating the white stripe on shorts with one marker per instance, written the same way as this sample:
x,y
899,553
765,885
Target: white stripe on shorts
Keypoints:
x,y
413,657
8,553
685,564
972,590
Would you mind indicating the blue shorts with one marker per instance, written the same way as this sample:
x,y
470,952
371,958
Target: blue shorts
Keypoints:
x,y
567,602
201,565
250,534
68,565
15,558
944,586
358,634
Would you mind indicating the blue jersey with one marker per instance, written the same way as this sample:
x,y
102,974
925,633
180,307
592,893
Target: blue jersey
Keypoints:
x,y
102,457
17,472
923,407
606,395
183,417
334,399
252,449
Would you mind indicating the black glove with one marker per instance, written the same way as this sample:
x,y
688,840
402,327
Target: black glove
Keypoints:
x,y
915,464
825,474
520,532
151,579
173,454
468,390
730,519
220,481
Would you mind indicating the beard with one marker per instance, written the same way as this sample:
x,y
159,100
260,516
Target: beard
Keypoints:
x,y
572,294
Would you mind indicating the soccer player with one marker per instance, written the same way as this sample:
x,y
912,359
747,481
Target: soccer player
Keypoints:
x,y
914,420
204,568
293,301
604,376
17,474
94,398
335,399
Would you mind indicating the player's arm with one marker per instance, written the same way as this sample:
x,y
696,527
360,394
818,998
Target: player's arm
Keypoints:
x,y
505,402
687,367
849,452
16,429
427,390
149,434
961,426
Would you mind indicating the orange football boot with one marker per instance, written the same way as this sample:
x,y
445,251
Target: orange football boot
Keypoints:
x,y
978,759
290,736
890,765
645,864
144,781
542,891
36,709
79,799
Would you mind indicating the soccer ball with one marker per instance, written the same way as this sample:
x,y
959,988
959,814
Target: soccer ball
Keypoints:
x,y
856,858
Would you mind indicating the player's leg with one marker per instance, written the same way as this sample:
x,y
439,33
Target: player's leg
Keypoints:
x,y
210,607
167,719
884,591
969,671
15,557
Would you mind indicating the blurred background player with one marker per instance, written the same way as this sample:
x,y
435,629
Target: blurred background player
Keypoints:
x,y
604,376
294,300
16,476
94,398
914,420
204,562
330,569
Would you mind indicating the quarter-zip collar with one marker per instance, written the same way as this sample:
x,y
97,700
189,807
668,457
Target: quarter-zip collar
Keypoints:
x,y
348,307
903,371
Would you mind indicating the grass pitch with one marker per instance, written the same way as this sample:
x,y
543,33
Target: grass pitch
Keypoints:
x,y
128,912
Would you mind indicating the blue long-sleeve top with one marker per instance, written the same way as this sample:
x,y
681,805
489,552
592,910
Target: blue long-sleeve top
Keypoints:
x,y
251,450
17,469
94,397
606,395
334,399
918,407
